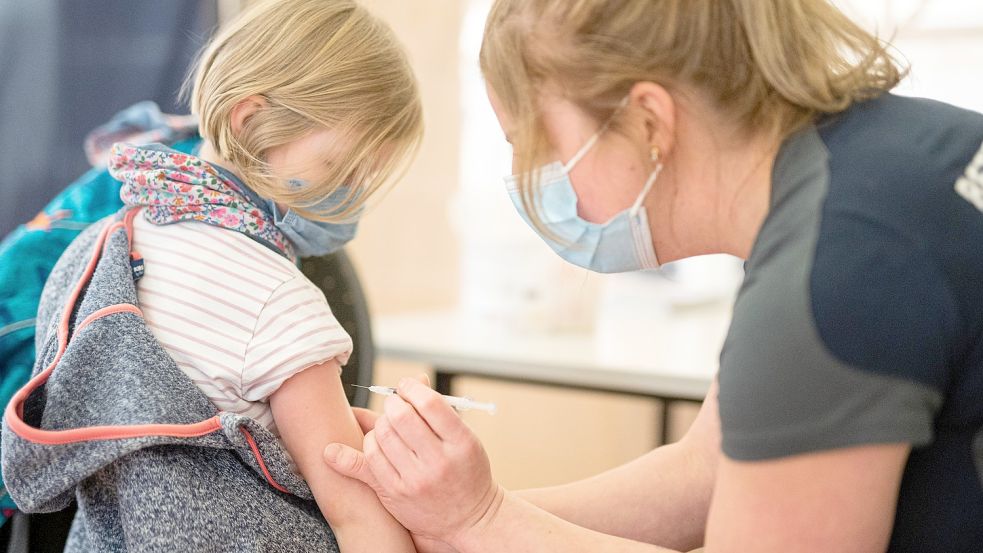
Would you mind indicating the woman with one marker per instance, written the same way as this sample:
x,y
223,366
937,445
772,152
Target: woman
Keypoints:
x,y
849,414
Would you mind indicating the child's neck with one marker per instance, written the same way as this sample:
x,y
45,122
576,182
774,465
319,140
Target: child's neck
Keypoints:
x,y
207,152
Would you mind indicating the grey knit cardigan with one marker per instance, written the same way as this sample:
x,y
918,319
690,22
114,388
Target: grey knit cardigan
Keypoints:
x,y
109,420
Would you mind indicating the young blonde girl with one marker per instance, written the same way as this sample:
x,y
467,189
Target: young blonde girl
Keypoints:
x,y
306,108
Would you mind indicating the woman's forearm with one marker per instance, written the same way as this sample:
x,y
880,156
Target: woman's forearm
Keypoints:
x,y
662,497
517,526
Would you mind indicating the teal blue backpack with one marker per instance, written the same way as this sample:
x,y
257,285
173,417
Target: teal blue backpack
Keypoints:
x,y
27,256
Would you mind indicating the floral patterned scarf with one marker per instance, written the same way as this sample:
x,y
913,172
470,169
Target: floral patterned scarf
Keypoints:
x,y
178,187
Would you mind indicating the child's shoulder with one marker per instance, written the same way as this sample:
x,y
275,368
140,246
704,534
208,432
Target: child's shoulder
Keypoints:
x,y
217,253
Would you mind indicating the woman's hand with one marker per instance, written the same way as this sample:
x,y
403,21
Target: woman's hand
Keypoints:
x,y
428,545
366,421
427,467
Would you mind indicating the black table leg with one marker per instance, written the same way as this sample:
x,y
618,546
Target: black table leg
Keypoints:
x,y
666,414
442,381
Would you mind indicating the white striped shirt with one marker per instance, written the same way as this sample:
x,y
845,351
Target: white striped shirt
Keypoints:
x,y
236,317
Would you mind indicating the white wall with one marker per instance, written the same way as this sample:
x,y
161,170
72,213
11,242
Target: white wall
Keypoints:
x,y
941,39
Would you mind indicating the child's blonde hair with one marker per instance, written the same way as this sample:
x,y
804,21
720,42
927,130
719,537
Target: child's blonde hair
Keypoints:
x,y
772,65
318,64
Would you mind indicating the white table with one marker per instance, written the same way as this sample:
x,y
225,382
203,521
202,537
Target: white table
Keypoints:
x,y
672,357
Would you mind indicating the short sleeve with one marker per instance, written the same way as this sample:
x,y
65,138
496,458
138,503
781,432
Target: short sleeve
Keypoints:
x,y
841,344
295,330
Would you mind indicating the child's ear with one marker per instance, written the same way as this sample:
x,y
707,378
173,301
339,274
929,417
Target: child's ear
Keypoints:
x,y
245,109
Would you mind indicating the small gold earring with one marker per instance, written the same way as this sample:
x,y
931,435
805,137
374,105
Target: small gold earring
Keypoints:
x,y
655,153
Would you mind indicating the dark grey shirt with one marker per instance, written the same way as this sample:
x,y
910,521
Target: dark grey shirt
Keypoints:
x,y
860,319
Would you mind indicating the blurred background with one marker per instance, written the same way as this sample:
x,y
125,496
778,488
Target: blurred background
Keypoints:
x,y
454,279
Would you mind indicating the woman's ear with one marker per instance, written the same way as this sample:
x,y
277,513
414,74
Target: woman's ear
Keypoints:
x,y
659,112
244,109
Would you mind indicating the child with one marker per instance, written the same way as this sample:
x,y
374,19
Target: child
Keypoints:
x,y
192,304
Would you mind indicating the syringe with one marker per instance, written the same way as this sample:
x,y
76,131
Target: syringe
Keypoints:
x,y
459,403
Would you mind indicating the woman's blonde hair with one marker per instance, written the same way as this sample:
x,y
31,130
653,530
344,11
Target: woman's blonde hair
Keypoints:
x,y
771,65
318,64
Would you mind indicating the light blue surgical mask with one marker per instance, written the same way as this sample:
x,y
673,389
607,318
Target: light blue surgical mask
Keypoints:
x,y
622,244
315,238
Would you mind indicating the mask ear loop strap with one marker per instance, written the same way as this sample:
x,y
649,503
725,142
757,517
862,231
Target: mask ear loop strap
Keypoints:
x,y
568,166
648,184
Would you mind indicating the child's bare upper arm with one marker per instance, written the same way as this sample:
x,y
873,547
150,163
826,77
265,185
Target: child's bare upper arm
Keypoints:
x,y
311,411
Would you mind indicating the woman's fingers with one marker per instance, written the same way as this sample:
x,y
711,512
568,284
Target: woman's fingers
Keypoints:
x,y
432,408
397,452
350,462
429,545
414,431
383,471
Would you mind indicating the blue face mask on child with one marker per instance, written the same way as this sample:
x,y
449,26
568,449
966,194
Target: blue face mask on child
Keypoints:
x,y
315,238
622,244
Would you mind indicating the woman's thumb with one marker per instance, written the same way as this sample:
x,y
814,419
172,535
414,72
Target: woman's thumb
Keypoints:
x,y
348,461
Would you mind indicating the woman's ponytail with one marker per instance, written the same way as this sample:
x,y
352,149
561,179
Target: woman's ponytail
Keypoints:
x,y
813,56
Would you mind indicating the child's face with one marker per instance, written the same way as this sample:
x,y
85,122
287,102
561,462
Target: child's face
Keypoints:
x,y
307,158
